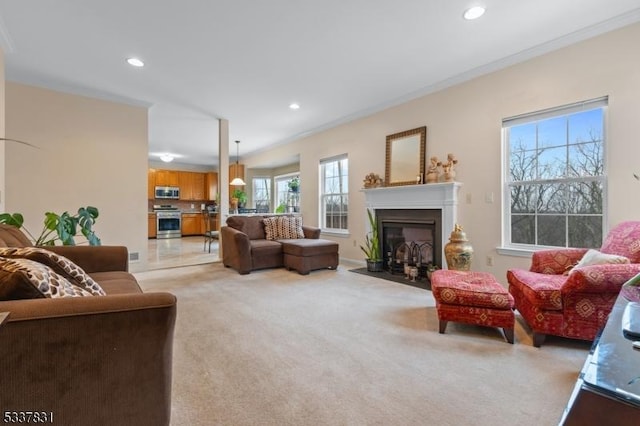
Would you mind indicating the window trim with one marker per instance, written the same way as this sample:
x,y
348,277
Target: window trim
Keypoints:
x,y
321,195
525,250
269,190
276,179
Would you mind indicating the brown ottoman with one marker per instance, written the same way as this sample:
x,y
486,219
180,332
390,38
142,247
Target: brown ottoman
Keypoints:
x,y
307,254
472,298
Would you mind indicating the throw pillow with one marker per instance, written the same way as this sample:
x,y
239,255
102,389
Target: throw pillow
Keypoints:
x,y
20,273
594,257
283,227
60,265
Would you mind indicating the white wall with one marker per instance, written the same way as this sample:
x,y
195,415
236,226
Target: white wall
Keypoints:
x,y
466,120
92,152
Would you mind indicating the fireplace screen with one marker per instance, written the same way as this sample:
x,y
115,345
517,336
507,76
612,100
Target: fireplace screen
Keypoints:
x,y
410,241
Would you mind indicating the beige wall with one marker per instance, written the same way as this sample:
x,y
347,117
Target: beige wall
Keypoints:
x,y
466,120
92,152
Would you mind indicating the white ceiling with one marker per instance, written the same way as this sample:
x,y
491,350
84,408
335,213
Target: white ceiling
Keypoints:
x,y
246,61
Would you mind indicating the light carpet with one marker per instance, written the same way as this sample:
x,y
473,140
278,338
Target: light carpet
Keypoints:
x,y
338,348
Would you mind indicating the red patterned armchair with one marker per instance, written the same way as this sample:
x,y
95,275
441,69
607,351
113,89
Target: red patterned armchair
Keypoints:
x,y
575,305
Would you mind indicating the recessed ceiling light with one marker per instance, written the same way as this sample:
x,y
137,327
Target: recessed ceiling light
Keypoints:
x,y
474,12
294,106
167,158
135,62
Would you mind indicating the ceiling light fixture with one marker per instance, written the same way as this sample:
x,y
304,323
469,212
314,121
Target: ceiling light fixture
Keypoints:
x,y
167,158
473,12
294,106
135,62
237,181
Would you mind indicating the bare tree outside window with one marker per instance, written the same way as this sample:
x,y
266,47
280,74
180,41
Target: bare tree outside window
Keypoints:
x,y
262,194
335,193
556,179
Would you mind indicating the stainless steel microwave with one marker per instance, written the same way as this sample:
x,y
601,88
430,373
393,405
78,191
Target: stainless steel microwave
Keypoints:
x,y
168,192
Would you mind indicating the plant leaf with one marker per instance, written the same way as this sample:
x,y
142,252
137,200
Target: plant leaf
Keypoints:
x,y
14,219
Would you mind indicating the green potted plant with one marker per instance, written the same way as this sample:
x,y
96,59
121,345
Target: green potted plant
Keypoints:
x,y
63,227
294,184
240,196
372,246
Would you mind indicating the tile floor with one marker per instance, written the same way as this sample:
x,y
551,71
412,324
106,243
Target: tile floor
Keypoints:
x,y
173,252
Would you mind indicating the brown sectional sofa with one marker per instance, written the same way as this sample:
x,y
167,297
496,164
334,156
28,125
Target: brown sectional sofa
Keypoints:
x,y
89,360
245,248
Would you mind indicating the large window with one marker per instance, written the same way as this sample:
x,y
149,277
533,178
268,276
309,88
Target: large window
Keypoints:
x,y
284,201
554,180
262,194
334,193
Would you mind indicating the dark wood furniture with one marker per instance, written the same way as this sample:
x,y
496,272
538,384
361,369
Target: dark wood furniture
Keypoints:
x,y
608,389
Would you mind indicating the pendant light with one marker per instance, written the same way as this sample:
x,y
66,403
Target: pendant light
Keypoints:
x,y
237,181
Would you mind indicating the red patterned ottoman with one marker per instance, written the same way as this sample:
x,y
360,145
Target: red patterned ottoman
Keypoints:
x,y
473,298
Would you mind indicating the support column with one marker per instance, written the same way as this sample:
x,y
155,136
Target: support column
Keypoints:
x,y
223,176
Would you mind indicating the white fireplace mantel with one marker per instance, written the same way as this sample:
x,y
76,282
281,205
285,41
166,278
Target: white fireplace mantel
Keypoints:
x,y
440,196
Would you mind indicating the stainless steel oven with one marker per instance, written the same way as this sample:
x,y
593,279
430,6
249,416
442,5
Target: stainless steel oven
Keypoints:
x,y
169,224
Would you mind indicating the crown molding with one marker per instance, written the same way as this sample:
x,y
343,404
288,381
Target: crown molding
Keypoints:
x,y
612,24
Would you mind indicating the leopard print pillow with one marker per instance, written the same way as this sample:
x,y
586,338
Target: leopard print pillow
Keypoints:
x,y
60,264
43,278
283,228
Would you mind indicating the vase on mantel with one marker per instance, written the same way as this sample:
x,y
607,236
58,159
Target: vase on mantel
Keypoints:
x,y
458,251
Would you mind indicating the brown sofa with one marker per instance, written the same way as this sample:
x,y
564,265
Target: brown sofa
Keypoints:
x,y
88,360
245,248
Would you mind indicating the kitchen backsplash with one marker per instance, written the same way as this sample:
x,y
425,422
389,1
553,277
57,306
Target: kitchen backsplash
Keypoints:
x,y
184,206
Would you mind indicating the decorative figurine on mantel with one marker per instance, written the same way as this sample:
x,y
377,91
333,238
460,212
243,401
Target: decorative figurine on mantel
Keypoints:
x,y
449,173
432,171
372,180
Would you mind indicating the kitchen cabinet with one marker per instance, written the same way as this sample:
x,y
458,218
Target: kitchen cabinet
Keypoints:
x,y
216,224
151,184
197,188
211,186
185,182
167,178
153,219
192,186
191,224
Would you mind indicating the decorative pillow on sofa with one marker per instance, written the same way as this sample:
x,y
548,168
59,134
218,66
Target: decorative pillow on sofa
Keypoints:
x,y
283,227
60,264
19,277
594,257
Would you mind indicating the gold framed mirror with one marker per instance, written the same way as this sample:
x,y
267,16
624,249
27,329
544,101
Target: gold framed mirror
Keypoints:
x,y
405,157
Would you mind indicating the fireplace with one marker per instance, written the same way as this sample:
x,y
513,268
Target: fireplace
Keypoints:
x,y
413,220
410,237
